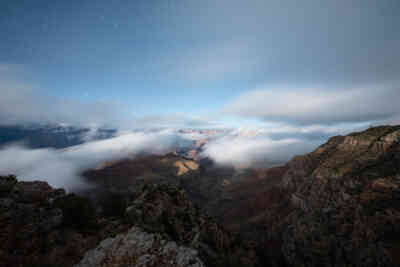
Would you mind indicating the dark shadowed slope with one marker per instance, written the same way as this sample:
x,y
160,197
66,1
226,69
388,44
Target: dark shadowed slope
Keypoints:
x,y
341,203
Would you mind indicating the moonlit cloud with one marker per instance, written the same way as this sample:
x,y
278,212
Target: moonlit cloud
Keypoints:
x,y
271,145
256,151
219,61
317,106
61,168
281,42
174,120
20,103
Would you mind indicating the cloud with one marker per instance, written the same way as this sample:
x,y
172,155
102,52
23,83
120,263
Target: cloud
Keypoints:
x,y
22,103
218,61
256,151
244,147
317,106
61,168
280,41
174,120
271,145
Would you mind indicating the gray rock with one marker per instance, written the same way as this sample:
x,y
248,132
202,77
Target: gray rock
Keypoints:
x,y
6,203
51,219
138,248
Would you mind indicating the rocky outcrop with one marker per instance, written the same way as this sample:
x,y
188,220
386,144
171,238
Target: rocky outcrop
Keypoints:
x,y
160,226
347,199
166,209
336,206
35,228
138,248
185,166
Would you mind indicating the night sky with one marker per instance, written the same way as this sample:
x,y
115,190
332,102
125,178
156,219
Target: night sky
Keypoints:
x,y
200,63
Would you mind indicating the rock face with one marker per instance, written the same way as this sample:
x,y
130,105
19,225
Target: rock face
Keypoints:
x,y
336,206
138,248
131,174
33,226
346,196
160,226
185,166
166,209
160,190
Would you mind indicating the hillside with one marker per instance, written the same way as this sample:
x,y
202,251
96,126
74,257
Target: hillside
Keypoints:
x,y
336,206
346,195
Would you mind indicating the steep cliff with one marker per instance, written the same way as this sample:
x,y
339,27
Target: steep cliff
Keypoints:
x,y
346,196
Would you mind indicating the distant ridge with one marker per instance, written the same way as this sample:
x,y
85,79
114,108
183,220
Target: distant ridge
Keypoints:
x,y
51,135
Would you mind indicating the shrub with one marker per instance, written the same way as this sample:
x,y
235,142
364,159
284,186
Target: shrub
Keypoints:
x,y
77,211
113,204
7,183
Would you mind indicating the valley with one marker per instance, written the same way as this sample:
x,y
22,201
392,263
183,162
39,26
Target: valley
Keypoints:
x,y
336,206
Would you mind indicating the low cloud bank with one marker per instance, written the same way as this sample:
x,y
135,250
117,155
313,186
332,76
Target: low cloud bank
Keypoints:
x,y
256,151
260,147
272,145
61,168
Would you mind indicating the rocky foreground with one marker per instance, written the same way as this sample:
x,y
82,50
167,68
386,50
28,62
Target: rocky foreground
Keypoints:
x,y
155,226
336,206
